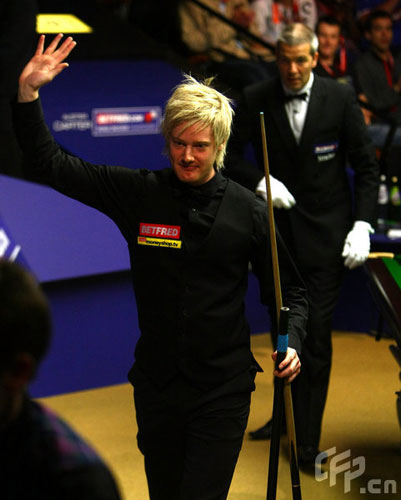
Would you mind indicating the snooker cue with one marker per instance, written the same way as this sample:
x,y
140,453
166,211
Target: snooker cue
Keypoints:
x,y
378,255
289,414
278,406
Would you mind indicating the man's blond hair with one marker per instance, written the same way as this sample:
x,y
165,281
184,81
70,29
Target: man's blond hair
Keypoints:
x,y
194,102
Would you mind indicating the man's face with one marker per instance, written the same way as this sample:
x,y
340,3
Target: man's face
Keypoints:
x,y
381,34
193,153
329,39
295,64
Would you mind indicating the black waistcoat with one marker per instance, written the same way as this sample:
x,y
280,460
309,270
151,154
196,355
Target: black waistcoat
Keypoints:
x,y
191,303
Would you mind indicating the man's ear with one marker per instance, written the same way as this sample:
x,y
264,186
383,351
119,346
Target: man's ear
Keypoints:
x,y
20,372
315,59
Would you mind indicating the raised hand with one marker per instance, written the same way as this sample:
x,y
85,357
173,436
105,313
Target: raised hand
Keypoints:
x,y
44,66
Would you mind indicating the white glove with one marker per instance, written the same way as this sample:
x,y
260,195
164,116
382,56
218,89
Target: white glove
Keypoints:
x,y
357,244
281,197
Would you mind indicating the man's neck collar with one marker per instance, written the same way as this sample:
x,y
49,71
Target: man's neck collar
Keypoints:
x,y
327,60
306,88
384,56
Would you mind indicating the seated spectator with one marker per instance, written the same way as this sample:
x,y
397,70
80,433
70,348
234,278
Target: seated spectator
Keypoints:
x,y
344,12
237,60
377,76
41,457
365,7
335,61
272,15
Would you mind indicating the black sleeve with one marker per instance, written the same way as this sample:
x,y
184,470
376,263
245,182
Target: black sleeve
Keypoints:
x,y
292,286
362,158
115,191
370,79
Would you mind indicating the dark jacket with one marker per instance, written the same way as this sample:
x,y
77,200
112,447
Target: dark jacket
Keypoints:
x,y
371,79
315,171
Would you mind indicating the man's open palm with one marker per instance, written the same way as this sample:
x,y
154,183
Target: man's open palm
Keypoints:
x,y
44,66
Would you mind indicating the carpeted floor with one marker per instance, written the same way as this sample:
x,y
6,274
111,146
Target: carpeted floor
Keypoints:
x,y
360,422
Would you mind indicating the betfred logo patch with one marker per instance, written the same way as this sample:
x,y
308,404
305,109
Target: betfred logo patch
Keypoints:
x,y
159,230
159,235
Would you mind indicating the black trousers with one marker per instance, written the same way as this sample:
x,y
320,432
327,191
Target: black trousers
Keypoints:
x,y
310,388
191,439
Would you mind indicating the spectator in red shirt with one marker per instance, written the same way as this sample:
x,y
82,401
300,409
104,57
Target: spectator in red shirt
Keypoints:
x,y
335,59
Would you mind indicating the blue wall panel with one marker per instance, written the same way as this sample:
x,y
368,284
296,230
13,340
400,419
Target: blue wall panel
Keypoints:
x,y
94,335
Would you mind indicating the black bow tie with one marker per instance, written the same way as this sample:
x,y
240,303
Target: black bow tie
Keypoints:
x,y
192,194
291,97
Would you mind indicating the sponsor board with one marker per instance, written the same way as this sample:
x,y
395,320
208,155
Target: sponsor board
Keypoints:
x,y
126,121
111,122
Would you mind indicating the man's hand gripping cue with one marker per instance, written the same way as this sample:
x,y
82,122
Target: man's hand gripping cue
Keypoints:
x,y
290,367
44,66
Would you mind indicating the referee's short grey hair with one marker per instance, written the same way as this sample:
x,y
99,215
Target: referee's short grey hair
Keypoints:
x,y
297,34
194,102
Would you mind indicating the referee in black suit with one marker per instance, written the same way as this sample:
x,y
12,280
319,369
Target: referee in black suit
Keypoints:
x,y
314,129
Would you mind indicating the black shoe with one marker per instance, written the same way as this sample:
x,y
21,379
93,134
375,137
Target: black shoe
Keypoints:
x,y
265,432
307,455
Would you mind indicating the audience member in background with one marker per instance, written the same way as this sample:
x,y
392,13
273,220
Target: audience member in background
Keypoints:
x,y
314,125
344,12
17,40
272,15
377,77
365,7
41,457
334,59
237,60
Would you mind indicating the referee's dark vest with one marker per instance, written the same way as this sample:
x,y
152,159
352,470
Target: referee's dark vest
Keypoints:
x,y
191,304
